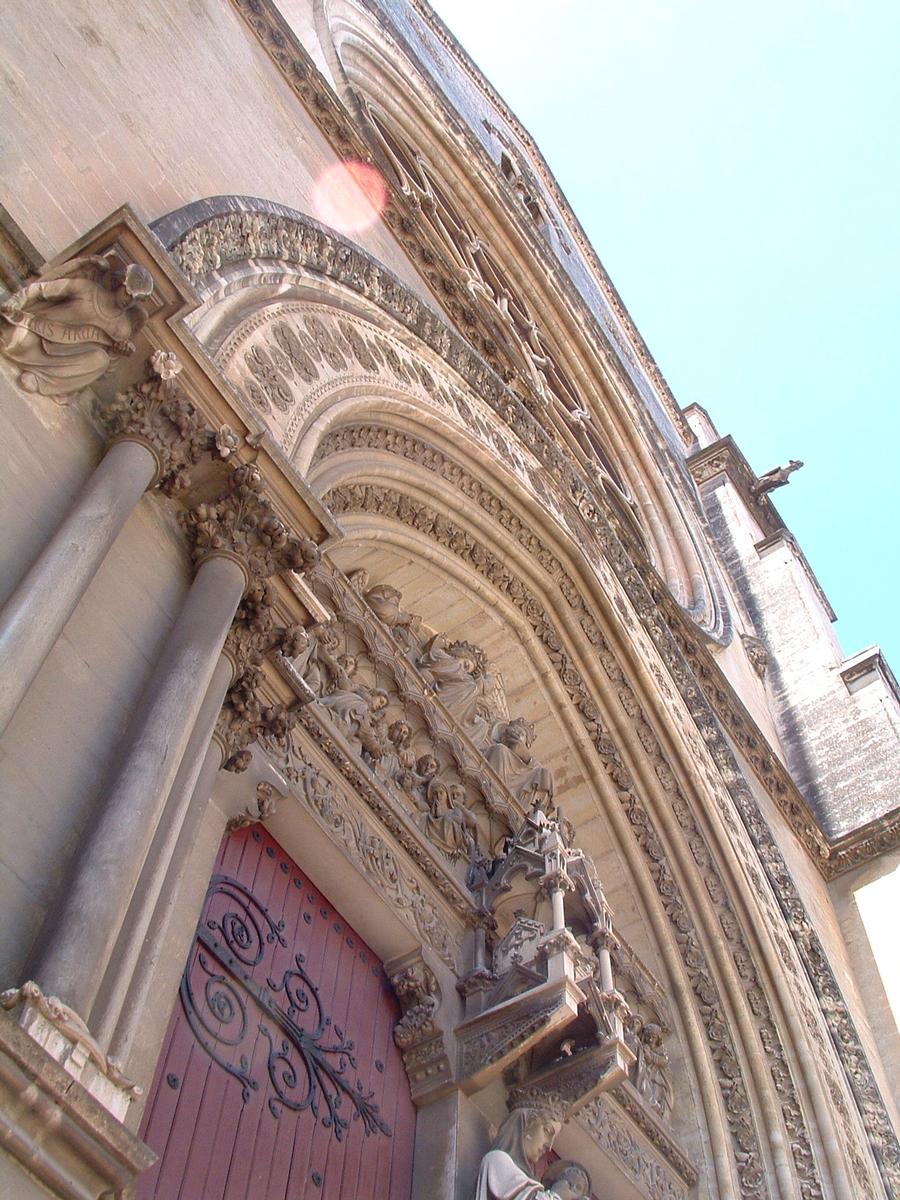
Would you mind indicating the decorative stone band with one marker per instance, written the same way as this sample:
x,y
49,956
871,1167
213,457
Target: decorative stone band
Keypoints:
x,y
379,864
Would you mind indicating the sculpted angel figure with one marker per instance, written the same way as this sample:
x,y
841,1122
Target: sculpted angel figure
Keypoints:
x,y
62,330
459,673
507,1170
510,756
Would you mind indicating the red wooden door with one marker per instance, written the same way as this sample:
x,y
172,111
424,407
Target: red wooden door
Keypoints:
x,y
278,1078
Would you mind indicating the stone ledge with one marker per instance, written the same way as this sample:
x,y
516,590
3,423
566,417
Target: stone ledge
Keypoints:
x,y
54,1132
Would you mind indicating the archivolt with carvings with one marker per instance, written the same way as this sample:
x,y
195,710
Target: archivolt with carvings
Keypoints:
x,y
241,236
845,1038
382,500
373,498
205,244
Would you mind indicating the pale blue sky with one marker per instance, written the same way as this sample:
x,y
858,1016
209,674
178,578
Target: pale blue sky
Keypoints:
x,y
736,167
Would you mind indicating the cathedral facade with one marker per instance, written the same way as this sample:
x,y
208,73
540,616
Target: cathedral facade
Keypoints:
x,y
428,770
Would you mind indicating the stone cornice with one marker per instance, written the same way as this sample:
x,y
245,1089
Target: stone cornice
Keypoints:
x,y
63,1136
723,457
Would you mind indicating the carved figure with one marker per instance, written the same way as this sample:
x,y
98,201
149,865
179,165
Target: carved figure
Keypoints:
x,y
447,822
506,1169
61,331
321,641
511,757
360,708
775,478
416,781
567,1179
384,601
399,758
458,671
652,1070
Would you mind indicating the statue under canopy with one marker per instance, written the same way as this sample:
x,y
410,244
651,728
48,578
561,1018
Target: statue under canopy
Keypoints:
x,y
62,330
507,1170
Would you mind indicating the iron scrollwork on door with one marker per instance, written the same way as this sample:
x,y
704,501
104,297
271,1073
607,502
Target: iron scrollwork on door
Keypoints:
x,y
308,1059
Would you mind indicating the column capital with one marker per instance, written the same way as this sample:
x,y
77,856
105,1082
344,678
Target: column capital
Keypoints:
x,y
158,415
244,719
242,524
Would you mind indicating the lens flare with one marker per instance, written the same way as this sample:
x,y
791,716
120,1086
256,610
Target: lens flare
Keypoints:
x,y
349,197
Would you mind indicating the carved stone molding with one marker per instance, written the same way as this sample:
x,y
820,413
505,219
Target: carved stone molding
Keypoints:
x,y
376,860
683,657
65,1036
654,1174
64,1137
266,806
630,1103
626,354
488,1042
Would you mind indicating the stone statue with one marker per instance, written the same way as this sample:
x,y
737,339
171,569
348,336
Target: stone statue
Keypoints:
x,y
399,757
567,1179
415,781
360,708
61,331
776,478
652,1070
459,671
446,821
506,1171
511,757
321,641
384,601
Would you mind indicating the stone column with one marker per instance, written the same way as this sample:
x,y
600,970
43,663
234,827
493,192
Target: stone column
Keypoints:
x,y
196,774
157,436
74,959
235,538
